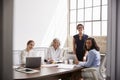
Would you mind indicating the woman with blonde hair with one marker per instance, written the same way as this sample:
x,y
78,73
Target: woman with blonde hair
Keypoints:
x,y
54,53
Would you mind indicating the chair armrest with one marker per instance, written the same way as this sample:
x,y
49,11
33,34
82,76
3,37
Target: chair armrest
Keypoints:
x,y
89,69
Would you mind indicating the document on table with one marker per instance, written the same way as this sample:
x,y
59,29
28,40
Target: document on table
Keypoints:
x,y
26,70
14,67
66,66
49,65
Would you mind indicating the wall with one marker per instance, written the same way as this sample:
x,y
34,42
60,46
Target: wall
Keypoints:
x,y
40,21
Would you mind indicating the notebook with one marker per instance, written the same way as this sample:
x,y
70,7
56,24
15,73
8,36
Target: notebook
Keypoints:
x,y
33,62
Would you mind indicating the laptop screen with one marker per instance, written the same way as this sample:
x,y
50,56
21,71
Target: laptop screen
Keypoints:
x,y
33,62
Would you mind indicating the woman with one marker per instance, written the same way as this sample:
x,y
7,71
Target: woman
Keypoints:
x,y
54,52
92,58
93,55
28,52
78,42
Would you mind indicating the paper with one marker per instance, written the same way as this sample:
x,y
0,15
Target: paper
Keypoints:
x,y
26,70
66,66
15,67
49,65
58,61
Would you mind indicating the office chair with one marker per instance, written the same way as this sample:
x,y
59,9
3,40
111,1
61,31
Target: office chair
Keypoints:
x,y
94,73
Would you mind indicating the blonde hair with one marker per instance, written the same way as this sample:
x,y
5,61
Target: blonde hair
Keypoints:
x,y
55,39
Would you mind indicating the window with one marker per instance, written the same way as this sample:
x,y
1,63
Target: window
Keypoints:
x,y
91,13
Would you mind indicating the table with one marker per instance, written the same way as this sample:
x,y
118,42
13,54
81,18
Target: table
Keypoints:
x,y
46,73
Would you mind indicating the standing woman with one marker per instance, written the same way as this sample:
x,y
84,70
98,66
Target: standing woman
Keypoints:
x,y
28,52
78,42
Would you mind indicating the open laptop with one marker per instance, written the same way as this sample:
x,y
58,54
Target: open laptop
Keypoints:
x,y
33,62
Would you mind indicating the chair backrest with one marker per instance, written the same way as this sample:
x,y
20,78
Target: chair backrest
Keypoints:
x,y
102,69
16,57
96,73
40,51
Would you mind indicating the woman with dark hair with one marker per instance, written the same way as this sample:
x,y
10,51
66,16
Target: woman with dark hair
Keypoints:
x,y
28,52
92,59
93,55
78,43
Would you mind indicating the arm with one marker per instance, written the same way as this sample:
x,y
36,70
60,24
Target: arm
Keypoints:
x,y
84,58
74,51
47,55
90,60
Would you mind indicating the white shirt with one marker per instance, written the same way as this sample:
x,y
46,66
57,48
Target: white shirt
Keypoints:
x,y
53,54
25,54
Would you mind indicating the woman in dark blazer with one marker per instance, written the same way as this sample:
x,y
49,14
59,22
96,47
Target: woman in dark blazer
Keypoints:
x,y
78,42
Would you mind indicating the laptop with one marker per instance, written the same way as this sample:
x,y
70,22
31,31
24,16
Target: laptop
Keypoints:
x,y
33,62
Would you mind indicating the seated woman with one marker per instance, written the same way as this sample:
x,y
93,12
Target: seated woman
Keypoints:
x,y
28,52
92,58
93,55
55,53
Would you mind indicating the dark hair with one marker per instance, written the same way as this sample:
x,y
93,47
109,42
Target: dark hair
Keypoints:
x,y
29,42
94,44
80,25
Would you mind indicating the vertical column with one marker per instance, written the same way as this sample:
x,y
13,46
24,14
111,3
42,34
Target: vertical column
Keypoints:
x,y
118,41
112,38
6,24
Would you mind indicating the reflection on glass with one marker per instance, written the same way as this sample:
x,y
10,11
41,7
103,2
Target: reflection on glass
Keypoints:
x,y
73,16
80,3
104,28
96,2
104,12
104,2
88,14
72,29
88,28
96,13
96,28
88,3
72,4
80,15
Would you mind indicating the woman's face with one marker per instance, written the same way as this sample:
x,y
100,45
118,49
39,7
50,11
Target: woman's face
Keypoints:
x,y
80,29
56,44
30,45
88,44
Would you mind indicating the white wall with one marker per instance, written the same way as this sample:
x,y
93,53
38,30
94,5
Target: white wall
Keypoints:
x,y
39,20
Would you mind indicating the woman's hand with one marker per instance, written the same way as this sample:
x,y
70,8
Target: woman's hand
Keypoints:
x,y
84,59
50,60
76,61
